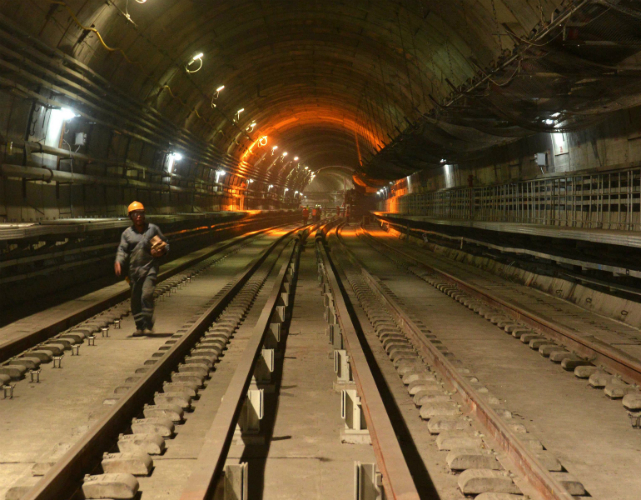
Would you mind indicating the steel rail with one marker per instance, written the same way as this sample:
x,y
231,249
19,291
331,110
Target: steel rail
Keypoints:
x,y
211,459
589,347
64,477
15,346
523,459
397,479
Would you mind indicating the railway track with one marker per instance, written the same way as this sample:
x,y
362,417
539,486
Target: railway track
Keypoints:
x,y
188,419
161,390
554,436
603,359
23,335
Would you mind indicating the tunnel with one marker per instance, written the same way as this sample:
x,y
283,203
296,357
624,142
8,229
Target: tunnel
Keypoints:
x,y
363,249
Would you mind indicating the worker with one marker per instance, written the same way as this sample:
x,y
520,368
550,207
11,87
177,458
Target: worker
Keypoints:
x,y
305,215
142,243
315,214
319,213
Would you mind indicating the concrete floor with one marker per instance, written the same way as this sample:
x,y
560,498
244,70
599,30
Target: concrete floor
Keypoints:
x,y
590,434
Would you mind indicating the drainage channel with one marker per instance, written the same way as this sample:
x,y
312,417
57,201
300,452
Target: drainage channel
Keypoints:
x,y
154,401
483,448
604,366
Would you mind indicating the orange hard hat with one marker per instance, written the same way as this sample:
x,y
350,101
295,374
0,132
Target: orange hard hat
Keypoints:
x,y
136,205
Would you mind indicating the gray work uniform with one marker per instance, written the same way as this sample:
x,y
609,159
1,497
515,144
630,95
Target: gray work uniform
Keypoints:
x,y
143,271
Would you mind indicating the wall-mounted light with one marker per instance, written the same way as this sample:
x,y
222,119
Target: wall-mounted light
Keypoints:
x,y
549,122
270,186
443,160
67,114
238,113
274,149
306,168
215,96
284,154
198,58
251,126
172,158
286,189
262,141
295,158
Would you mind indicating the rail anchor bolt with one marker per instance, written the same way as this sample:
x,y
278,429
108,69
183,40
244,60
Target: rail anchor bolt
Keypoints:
x,y
57,360
91,340
105,331
117,324
8,391
75,350
35,374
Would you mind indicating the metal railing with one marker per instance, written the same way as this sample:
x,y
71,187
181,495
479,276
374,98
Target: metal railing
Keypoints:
x,y
609,200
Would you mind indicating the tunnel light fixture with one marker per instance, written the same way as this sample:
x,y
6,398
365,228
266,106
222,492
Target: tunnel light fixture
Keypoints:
x,y
251,126
190,66
177,156
270,186
443,160
555,115
295,158
284,154
238,113
250,181
220,89
549,122
306,168
67,114
286,189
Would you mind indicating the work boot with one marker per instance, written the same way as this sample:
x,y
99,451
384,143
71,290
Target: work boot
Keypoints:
x,y
139,332
148,331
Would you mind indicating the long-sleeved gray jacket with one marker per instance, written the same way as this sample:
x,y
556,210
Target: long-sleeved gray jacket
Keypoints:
x,y
137,247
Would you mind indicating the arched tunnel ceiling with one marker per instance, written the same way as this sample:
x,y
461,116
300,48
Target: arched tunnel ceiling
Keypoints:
x,y
331,82
330,180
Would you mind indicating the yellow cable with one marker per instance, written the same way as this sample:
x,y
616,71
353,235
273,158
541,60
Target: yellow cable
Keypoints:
x,y
73,16
112,49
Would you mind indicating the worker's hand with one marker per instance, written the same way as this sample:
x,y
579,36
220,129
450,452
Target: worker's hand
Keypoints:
x,y
118,268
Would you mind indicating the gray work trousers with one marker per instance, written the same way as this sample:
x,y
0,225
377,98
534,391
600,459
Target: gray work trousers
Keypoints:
x,y
142,300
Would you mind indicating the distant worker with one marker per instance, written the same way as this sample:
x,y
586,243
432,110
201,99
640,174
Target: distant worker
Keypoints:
x,y
305,215
142,243
315,214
